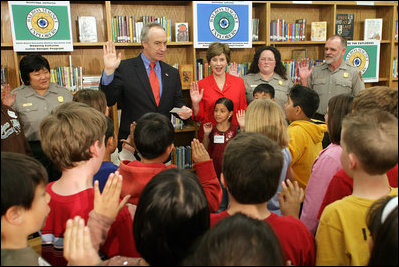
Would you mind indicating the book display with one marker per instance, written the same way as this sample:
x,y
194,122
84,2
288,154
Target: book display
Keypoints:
x,y
319,31
372,29
275,22
87,29
181,30
344,25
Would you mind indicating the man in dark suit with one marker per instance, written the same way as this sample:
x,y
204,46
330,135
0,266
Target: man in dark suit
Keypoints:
x,y
142,84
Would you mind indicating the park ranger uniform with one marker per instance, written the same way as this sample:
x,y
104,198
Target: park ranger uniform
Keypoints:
x,y
346,79
33,107
281,86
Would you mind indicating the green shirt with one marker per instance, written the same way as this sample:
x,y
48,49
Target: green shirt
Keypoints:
x,y
346,79
33,107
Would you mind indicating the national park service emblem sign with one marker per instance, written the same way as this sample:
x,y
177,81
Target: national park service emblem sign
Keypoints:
x,y
224,23
42,22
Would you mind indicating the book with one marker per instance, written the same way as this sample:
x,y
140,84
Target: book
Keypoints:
x,y
344,25
186,75
255,29
318,31
372,29
87,29
181,30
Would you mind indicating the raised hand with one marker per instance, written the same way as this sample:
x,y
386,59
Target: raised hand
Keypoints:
x,y
303,71
241,118
195,94
291,198
78,249
128,143
207,128
6,96
108,203
111,61
233,70
199,152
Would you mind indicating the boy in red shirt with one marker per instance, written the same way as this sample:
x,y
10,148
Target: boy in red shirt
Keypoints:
x,y
76,146
153,139
252,165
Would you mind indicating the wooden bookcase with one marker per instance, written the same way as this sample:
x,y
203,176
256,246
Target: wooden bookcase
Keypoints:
x,y
89,55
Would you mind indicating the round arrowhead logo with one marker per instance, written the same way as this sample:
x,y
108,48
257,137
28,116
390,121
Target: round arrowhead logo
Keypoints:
x,y
359,58
42,23
224,23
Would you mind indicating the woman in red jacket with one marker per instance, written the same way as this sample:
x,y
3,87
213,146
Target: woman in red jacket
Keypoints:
x,y
219,84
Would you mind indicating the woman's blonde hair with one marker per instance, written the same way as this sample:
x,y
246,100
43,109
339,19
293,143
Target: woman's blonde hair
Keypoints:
x,y
266,117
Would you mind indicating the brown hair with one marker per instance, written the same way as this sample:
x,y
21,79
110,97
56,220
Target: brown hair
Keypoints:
x,y
338,107
94,98
381,97
216,49
372,136
67,134
266,117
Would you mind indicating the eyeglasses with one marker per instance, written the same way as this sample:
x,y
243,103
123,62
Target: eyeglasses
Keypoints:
x,y
266,60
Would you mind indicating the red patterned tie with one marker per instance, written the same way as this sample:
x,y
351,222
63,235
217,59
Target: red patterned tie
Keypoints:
x,y
154,83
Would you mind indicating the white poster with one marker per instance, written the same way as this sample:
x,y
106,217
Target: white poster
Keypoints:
x,y
41,26
223,21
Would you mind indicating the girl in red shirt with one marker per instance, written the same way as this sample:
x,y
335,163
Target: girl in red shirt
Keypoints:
x,y
216,137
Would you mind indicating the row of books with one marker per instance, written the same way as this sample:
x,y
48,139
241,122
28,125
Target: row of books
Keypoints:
x,y
177,123
68,77
73,79
126,29
395,67
182,157
396,30
282,31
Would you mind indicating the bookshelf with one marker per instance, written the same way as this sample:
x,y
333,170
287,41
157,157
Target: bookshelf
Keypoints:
x,y
89,55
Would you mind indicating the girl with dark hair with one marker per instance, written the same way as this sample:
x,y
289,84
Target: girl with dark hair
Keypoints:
x,y
216,138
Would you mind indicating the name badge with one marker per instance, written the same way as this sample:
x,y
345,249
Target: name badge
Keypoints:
x,y
346,75
60,99
27,104
253,85
218,139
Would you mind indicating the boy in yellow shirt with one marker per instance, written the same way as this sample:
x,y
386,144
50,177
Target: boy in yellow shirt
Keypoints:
x,y
305,134
369,149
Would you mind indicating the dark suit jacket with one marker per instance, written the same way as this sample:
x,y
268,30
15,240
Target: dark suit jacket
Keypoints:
x,y
131,89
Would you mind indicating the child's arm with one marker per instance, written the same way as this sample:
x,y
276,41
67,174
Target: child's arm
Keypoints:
x,y
207,130
78,249
207,175
106,207
290,199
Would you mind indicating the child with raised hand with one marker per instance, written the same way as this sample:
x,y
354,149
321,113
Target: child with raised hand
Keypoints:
x,y
252,166
216,137
266,117
73,138
153,139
